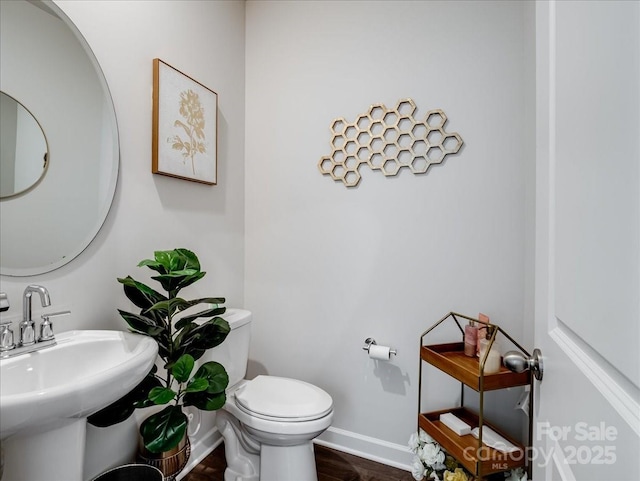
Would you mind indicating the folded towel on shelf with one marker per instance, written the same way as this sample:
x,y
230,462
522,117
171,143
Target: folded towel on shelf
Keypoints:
x,y
494,440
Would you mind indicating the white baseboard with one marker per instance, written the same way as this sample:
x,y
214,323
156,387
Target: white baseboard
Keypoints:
x,y
384,452
378,450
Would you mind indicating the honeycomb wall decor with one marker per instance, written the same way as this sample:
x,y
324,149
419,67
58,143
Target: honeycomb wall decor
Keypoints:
x,y
388,140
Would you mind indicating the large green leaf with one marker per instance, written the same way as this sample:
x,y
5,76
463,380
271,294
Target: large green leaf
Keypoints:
x,y
162,261
190,259
215,374
190,279
142,324
196,339
170,260
177,343
153,265
181,370
171,306
205,401
140,294
173,260
197,384
178,268
163,431
162,395
173,282
142,397
214,311
214,397
168,307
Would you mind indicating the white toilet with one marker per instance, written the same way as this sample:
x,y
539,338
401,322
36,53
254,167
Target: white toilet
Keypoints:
x,y
268,423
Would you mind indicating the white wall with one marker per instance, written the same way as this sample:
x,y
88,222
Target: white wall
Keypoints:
x,y
151,212
328,266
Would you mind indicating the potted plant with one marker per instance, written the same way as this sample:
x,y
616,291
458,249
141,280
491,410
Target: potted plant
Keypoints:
x,y
181,342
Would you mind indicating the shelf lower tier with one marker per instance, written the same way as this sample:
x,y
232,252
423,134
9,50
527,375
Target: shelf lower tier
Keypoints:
x,y
479,462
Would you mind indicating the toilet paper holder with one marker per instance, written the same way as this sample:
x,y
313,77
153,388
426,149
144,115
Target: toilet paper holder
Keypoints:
x,y
369,341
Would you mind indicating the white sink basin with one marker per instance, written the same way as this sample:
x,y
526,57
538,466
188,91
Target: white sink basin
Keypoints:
x,y
84,372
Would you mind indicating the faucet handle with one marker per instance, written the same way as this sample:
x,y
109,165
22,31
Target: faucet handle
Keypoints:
x,y
27,333
46,327
6,337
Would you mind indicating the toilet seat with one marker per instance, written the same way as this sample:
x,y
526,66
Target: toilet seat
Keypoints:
x,y
282,399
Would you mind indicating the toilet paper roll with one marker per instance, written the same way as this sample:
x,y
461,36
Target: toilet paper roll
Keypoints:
x,y
379,352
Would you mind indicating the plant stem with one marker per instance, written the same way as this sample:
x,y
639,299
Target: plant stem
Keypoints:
x,y
171,294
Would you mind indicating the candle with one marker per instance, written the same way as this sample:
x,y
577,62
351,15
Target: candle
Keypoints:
x,y
492,363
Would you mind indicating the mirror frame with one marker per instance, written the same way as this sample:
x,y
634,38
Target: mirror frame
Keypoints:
x,y
114,169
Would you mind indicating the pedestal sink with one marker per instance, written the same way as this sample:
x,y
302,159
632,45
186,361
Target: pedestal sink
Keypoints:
x,y
46,396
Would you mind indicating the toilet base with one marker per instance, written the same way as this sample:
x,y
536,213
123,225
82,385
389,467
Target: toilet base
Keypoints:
x,y
288,463
241,453
249,459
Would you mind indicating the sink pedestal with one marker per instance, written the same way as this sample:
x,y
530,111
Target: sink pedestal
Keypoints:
x,y
52,452
107,448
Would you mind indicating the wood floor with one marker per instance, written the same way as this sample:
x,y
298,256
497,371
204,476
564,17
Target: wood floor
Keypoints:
x,y
332,466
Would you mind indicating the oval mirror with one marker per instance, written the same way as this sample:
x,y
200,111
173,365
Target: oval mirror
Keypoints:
x,y
23,148
47,65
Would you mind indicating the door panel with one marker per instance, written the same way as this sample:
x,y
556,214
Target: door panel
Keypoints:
x,y
587,291
596,177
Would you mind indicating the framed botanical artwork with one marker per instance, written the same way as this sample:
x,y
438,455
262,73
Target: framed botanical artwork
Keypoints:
x,y
185,126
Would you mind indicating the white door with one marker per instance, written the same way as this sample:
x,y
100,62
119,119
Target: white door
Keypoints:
x,y
587,292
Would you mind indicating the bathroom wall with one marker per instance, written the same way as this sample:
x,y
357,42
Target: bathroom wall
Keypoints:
x,y
328,266
325,266
151,212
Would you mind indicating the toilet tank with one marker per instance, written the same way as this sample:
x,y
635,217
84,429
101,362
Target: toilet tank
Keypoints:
x,y
233,353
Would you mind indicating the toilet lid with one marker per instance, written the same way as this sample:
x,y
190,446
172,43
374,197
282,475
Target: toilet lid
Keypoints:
x,y
283,398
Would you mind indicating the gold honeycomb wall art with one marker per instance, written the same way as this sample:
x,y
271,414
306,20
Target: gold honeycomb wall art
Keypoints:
x,y
388,140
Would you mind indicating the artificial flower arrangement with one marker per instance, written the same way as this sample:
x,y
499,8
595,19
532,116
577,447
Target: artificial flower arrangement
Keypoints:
x,y
432,462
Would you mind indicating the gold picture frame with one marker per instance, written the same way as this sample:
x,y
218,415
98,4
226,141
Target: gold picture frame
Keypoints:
x,y
185,126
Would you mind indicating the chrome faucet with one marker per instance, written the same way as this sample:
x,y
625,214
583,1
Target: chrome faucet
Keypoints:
x,y
27,326
27,340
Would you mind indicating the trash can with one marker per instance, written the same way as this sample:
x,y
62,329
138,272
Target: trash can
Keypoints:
x,y
132,472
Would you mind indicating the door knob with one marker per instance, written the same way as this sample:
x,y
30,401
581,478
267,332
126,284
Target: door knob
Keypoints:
x,y
517,362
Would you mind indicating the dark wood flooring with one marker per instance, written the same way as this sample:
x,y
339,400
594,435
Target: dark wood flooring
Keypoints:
x,y
332,465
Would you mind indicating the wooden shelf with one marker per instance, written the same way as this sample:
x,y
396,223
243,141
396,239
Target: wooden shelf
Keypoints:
x,y
450,358
466,449
477,458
